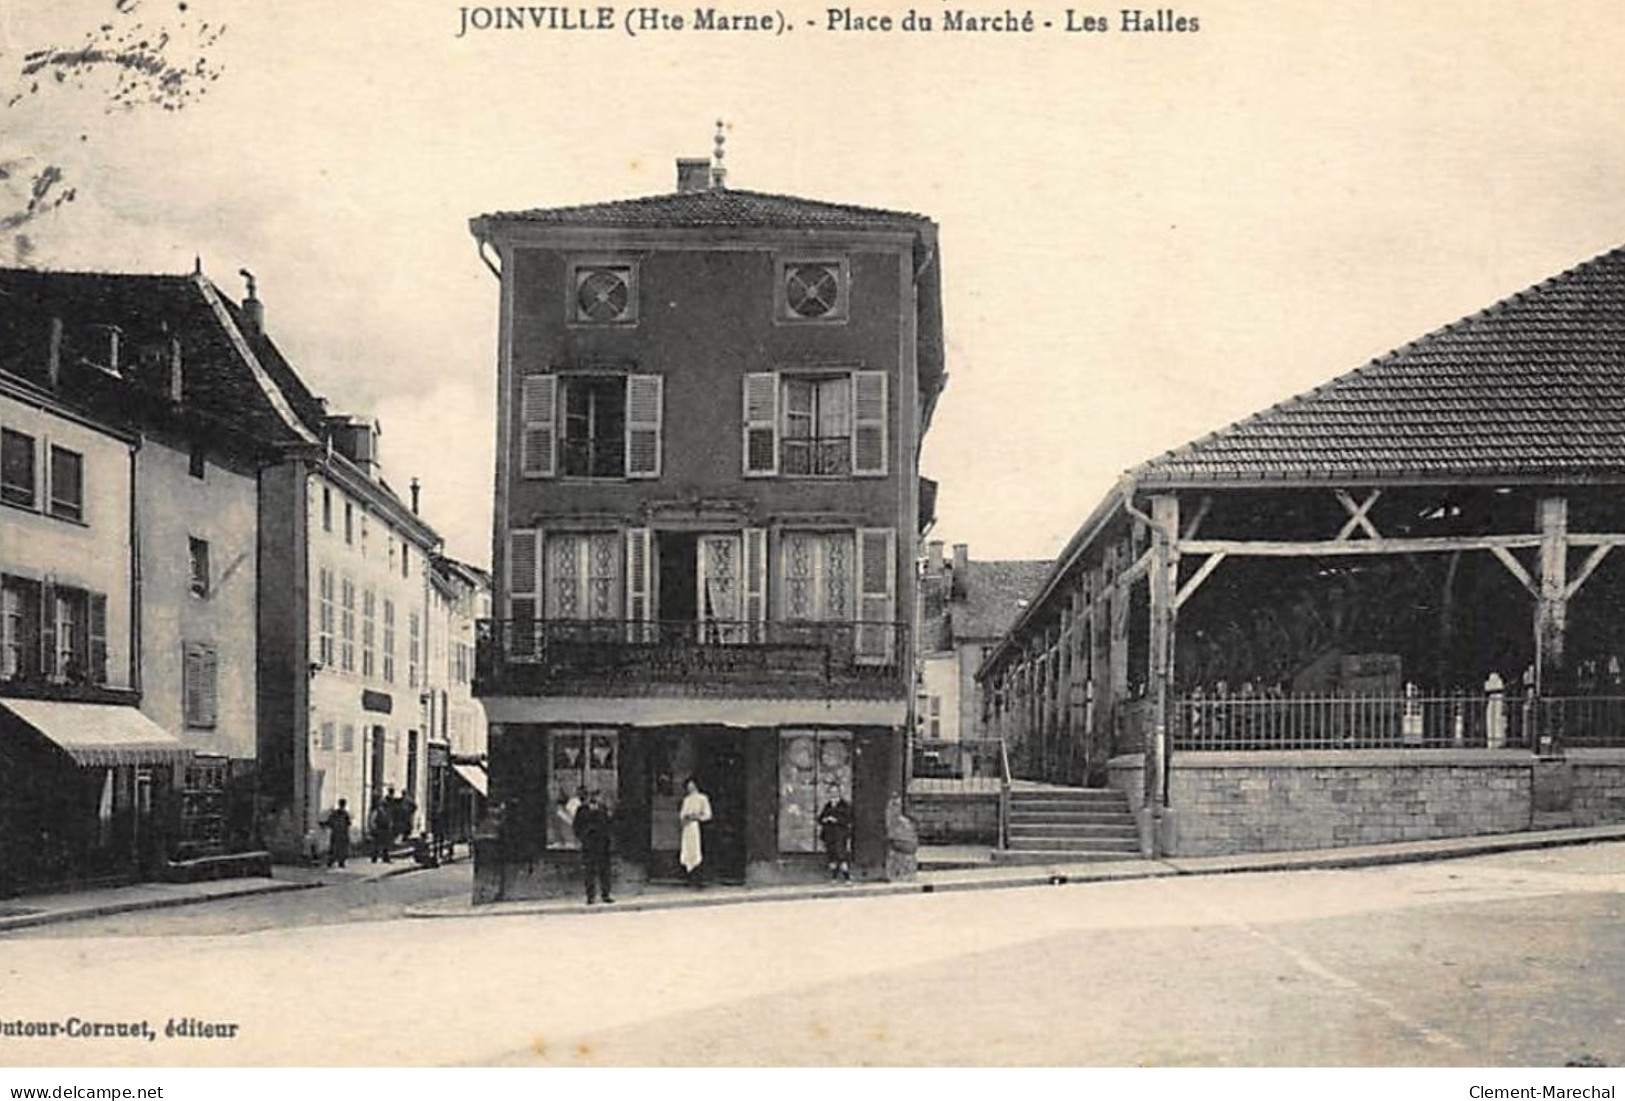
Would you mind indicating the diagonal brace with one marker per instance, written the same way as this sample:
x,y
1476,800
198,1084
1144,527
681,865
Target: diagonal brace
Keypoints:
x,y
1359,514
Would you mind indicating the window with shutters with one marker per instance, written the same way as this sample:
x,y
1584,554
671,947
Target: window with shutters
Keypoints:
x,y
823,424
389,642
842,577
812,289
347,625
18,478
591,426
326,616
414,648
67,484
52,632
369,633
201,677
326,738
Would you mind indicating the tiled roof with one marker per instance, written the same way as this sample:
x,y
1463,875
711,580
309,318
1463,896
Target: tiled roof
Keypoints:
x,y
719,208
148,311
996,593
1532,386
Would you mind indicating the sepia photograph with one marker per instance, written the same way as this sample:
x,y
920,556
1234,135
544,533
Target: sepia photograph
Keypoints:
x,y
889,535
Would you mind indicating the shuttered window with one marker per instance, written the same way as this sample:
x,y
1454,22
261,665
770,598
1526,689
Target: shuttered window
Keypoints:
x,y
643,418
524,587
877,575
537,413
816,425
639,583
201,676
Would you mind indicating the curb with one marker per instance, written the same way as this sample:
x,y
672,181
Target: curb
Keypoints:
x,y
58,917
1060,876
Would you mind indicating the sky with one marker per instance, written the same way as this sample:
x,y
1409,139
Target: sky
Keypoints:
x,y
1144,236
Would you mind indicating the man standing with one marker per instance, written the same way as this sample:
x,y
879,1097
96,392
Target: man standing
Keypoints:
x,y
592,827
381,827
338,833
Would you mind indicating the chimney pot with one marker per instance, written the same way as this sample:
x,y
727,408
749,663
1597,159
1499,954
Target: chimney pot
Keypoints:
x,y
961,578
416,488
693,173
933,558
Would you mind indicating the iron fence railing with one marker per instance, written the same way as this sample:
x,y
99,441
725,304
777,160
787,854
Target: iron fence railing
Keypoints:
x,y
1483,721
974,765
531,655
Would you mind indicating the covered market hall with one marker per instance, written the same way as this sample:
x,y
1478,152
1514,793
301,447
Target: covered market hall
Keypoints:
x,y
1387,609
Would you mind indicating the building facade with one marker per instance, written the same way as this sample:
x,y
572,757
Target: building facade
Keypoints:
x,y
710,411
459,598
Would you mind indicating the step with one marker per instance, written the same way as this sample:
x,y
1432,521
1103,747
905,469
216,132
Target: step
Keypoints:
x,y
1069,817
1116,829
1067,793
1067,844
1076,856
1049,803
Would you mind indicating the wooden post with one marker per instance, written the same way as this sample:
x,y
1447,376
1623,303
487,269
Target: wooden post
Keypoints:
x,y
1163,582
1551,608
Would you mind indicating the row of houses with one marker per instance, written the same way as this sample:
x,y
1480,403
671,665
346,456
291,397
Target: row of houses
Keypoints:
x,y
216,617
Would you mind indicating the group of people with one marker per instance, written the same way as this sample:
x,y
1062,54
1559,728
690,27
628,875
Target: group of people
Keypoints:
x,y
593,824
390,821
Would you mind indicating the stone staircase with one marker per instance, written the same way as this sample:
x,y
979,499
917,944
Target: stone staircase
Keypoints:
x,y
1056,825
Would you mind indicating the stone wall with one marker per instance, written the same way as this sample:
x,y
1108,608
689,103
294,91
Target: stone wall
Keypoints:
x,y
956,818
1274,801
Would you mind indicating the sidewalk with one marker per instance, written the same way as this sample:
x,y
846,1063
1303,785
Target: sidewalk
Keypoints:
x,y
995,877
31,910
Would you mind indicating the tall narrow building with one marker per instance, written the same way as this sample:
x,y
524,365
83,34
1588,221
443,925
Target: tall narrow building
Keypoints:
x,y
710,411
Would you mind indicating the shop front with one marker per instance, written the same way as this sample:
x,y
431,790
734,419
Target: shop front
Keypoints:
x,y
765,786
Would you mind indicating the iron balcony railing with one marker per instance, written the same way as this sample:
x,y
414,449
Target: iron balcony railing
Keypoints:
x,y
1481,721
554,657
816,455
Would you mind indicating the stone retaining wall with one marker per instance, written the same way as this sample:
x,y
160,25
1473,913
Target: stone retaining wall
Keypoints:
x,y
946,818
1270,801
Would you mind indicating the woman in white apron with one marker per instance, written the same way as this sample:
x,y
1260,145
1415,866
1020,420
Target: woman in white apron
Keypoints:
x,y
696,808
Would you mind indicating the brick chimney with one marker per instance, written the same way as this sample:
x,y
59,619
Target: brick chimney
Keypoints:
x,y
253,308
933,558
693,173
961,581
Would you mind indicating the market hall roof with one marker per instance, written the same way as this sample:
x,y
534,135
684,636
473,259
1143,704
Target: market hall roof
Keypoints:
x,y
1531,387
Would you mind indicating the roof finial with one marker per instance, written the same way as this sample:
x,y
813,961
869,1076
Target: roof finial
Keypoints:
x,y
719,174
197,264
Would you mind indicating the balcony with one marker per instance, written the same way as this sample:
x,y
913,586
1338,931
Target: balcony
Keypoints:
x,y
620,658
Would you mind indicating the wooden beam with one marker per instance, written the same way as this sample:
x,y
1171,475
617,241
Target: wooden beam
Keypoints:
x,y
1139,569
1164,578
1515,568
1276,548
1194,582
1359,515
1587,568
1551,610
1194,524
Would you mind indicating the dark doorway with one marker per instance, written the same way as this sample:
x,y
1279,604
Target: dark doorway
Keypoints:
x,y
678,597
720,769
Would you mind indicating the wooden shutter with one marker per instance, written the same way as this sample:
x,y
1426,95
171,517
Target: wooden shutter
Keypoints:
x,y
877,586
524,591
199,675
538,439
644,394
761,437
98,638
639,572
869,422
756,582
47,631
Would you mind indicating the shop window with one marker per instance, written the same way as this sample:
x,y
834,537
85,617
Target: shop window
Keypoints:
x,y
579,760
815,767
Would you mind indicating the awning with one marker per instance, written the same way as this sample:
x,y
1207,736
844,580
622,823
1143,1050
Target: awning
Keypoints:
x,y
474,775
100,734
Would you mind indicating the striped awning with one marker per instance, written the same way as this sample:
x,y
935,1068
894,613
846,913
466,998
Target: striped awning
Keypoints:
x,y
474,776
100,734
